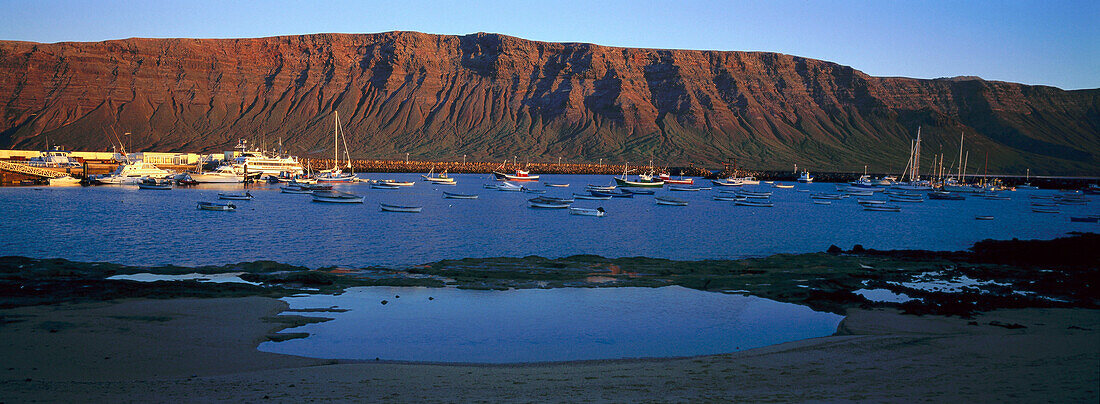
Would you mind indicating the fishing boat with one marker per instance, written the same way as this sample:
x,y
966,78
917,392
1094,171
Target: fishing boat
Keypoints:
x,y
246,196
669,180
805,177
336,174
755,204
336,197
598,212
519,175
682,189
452,195
725,183
442,178
983,217
553,185
400,208
670,201
150,183
882,208
382,185
547,203
216,206
644,181
592,197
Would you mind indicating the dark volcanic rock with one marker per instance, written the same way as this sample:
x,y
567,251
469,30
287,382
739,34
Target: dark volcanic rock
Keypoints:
x,y
492,96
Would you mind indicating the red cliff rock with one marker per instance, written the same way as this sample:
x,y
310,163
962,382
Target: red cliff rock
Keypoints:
x,y
492,97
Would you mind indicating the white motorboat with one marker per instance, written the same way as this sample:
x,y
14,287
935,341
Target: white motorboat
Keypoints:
x,y
64,181
224,174
132,173
508,186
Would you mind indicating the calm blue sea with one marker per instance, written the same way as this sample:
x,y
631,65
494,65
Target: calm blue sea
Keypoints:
x,y
126,225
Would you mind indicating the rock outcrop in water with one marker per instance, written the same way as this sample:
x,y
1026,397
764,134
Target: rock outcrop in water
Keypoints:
x,y
492,97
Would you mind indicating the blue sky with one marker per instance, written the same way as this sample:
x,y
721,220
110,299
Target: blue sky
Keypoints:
x,y
1034,42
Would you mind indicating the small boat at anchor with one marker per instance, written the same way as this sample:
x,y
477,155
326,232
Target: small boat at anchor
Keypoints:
x,y
246,196
400,208
553,185
591,197
983,217
755,204
547,203
682,189
382,185
216,206
598,212
452,195
336,197
520,175
670,201
882,208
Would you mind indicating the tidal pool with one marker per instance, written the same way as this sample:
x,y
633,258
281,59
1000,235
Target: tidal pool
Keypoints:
x,y
542,325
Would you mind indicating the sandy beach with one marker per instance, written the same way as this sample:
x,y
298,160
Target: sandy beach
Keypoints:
x,y
205,350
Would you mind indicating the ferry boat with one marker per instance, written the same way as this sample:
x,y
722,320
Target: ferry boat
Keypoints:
x,y
54,158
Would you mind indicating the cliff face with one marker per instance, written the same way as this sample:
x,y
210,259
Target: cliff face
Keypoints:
x,y
492,97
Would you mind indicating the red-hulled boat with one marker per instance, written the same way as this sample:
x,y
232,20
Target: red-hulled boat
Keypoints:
x,y
520,175
668,179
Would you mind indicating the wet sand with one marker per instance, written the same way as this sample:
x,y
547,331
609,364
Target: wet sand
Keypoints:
x,y
204,350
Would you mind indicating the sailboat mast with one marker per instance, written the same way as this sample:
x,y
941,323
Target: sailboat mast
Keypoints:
x,y
916,158
335,141
961,158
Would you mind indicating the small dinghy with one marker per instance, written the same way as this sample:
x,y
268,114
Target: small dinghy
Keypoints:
x,y
452,195
682,189
294,189
1085,219
1037,209
784,186
336,197
670,201
592,197
983,217
396,183
400,208
755,204
728,198
882,208
817,202
236,197
550,184
216,206
547,203
638,191
598,212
